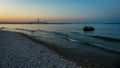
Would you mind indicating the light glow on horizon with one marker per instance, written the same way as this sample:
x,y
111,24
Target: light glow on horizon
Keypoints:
x,y
59,10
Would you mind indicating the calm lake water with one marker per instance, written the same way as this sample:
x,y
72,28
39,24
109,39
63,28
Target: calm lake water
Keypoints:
x,y
106,37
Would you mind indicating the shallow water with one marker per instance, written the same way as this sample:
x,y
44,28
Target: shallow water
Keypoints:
x,y
106,37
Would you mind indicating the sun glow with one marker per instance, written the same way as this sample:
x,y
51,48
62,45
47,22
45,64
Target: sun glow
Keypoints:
x,y
58,10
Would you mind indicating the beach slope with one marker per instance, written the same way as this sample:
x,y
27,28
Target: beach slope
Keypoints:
x,y
17,51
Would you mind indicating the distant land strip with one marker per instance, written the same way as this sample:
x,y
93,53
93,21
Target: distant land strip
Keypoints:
x,y
50,23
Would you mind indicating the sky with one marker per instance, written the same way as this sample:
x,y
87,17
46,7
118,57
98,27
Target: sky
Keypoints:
x,y
60,11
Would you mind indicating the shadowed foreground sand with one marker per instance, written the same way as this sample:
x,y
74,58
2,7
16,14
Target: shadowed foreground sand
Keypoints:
x,y
16,51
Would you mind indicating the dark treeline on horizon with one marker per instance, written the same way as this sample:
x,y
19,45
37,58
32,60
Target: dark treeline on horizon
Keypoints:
x,y
51,23
23,22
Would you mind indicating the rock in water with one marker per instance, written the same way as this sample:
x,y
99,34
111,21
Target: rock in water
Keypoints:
x,y
88,28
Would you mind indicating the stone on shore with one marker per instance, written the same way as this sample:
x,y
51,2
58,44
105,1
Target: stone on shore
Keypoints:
x,y
88,28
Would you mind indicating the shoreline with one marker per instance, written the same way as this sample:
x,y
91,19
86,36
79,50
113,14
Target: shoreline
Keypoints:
x,y
84,60
19,51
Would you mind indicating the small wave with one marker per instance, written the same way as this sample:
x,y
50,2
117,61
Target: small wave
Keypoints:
x,y
72,40
32,31
64,36
21,29
107,38
75,33
2,28
60,35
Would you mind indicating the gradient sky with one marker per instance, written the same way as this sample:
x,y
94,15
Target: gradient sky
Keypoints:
x,y
61,10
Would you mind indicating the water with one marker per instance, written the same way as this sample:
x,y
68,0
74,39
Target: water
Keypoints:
x,y
105,38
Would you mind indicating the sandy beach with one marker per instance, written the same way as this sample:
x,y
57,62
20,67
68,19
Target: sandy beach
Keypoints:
x,y
16,51
59,34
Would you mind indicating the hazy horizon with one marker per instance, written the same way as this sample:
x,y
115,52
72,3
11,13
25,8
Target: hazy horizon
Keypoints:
x,y
64,11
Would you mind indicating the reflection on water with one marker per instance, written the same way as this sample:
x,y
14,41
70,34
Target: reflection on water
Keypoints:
x,y
72,36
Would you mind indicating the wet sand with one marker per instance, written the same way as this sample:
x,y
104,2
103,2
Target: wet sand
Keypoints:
x,y
106,59
17,51
24,51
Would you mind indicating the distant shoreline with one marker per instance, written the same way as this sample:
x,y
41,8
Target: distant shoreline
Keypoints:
x,y
50,23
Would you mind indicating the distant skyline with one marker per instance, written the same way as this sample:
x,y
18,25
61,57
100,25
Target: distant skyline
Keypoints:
x,y
60,11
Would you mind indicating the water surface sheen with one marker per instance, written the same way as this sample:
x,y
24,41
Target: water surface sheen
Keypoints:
x,y
105,38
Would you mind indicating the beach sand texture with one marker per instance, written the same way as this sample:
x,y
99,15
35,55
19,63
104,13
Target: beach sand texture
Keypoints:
x,y
16,51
